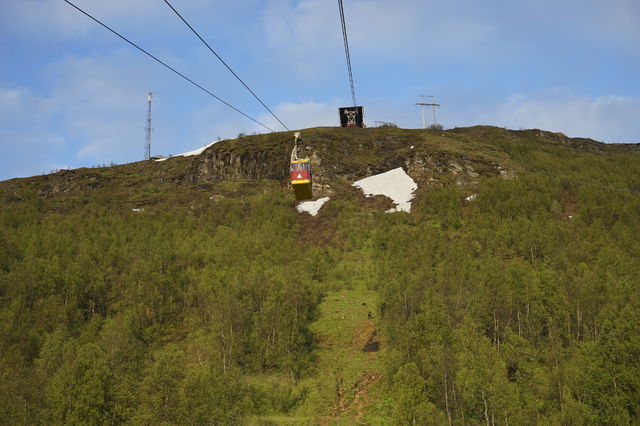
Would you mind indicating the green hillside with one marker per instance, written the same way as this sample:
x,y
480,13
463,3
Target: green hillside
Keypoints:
x,y
191,291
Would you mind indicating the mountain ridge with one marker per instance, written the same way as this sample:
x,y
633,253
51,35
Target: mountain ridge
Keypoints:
x,y
338,156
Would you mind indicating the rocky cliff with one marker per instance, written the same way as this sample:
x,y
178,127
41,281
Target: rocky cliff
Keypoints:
x,y
341,156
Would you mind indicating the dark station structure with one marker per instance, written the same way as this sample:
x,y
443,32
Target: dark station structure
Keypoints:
x,y
351,116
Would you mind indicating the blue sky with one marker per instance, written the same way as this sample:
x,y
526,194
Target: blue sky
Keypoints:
x,y
74,95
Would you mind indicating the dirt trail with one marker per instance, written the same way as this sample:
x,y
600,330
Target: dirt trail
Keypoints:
x,y
355,397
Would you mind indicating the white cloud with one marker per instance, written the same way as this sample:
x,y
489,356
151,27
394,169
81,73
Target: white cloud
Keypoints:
x,y
605,118
100,101
612,21
94,112
26,141
431,32
94,102
302,115
420,27
17,104
216,121
309,31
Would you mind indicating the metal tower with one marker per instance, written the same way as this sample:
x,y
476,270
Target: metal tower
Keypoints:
x,y
422,104
147,146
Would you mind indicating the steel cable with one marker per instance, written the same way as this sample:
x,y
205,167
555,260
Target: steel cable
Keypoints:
x,y
168,66
346,51
224,63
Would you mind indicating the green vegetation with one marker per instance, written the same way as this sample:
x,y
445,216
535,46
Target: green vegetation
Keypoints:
x,y
218,303
112,316
507,307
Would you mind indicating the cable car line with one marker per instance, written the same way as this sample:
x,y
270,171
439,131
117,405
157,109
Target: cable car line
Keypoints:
x,y
346,51
168,66
224,63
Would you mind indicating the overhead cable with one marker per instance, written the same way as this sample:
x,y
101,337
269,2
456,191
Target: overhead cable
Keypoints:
x,y
168,66
224,63
346,51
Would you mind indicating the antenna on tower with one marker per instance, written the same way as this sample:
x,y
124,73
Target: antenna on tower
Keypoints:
x,y
147,146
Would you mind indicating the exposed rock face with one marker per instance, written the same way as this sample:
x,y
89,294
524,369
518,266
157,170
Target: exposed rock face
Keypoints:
x,y
427,168
68,181
336,162
221,164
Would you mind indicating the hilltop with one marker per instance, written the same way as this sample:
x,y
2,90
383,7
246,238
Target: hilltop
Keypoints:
x,y
338,157
191,290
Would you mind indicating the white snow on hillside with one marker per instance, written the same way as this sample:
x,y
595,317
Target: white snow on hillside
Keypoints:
x,y
312,207
195,151
395,184
190,153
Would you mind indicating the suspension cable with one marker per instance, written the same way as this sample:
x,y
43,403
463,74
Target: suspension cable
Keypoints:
x,y
346,51
167,66
224,63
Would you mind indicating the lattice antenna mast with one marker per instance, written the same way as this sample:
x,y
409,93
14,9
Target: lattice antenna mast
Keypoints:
x,y
147,146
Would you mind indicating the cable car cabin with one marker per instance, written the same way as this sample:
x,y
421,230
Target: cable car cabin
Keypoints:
x,y
301,179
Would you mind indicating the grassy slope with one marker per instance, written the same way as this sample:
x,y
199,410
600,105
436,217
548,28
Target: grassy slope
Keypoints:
x,y
345,382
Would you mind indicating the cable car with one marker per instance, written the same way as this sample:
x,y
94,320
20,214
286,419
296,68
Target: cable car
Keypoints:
x,y
300,173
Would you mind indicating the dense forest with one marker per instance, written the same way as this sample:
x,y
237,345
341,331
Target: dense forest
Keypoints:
x,y
109,317
520,306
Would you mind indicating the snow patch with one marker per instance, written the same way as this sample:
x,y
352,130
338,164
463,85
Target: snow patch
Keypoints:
x,y
190,153
195,151
395,184
312,207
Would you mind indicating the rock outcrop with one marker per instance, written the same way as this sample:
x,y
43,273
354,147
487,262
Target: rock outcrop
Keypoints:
x,y
338,156
342,156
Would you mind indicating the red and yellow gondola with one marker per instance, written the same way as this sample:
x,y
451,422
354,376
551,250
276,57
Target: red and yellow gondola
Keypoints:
x,y
300,174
